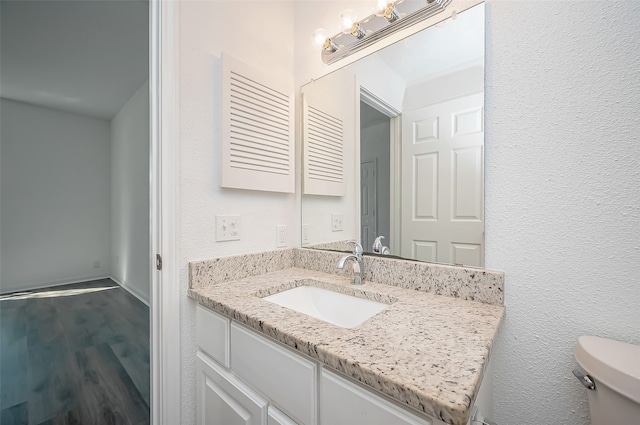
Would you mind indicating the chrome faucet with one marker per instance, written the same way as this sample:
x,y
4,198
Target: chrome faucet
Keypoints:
x,y
356,258
378,248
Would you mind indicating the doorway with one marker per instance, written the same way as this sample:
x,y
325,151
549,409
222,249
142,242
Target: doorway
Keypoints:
x,y
60,203
379,154
375,175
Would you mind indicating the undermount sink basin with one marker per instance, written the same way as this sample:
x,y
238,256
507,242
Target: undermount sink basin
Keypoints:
x,y
333,307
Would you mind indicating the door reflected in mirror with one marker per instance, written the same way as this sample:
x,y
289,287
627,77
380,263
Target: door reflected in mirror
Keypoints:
x,y
398,136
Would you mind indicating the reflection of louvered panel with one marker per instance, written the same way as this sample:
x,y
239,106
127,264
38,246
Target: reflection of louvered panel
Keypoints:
x,y
324,152
257,140
325,146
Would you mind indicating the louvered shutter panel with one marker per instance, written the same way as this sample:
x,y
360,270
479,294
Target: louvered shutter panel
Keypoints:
x,y
323,136
257,139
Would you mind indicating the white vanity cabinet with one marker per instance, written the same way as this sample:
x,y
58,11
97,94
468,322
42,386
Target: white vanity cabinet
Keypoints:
x,y
246,378
245,384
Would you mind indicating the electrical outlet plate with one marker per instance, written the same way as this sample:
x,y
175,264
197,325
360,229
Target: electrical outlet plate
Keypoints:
x,y
281,236
306,229
227,228
336,222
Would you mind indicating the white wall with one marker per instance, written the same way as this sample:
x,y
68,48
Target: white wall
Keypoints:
x,y
445,87
54,198
376,76
130,194
258,33
562,193
562,199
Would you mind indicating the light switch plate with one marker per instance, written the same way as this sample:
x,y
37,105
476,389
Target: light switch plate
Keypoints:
x,y
227,228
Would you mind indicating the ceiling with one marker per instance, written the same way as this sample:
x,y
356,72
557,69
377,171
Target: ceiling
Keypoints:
x,y
85,57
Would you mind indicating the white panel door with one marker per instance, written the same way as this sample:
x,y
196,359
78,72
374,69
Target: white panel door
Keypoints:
x,y
368,203
222,399
443,182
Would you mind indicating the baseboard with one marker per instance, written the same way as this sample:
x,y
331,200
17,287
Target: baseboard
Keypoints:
x,y
4,290
133,291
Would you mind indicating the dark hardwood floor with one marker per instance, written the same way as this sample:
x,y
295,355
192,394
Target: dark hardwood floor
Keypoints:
x,y
75,354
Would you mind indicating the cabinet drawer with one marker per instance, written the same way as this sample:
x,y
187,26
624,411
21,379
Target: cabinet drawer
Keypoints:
x,y
343,402
286,378
276,417
212,334
223,399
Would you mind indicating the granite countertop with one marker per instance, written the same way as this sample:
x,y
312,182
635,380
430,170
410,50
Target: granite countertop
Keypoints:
x,y
426,351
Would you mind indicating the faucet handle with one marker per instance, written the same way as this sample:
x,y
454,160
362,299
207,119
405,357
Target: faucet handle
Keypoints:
x,y
357,248
377,245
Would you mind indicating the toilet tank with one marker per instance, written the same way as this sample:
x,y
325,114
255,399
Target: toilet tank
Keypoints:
x,y
614,366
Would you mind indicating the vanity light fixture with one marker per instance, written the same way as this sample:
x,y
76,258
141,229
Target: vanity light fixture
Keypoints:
x,y
389,17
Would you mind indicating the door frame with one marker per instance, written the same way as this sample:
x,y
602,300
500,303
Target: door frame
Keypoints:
x,y
163,199
375,202
395,157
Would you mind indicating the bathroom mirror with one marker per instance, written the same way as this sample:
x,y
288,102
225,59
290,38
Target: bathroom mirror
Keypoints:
x,y
393,146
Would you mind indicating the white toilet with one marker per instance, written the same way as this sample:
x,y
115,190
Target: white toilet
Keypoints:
x,y
614,367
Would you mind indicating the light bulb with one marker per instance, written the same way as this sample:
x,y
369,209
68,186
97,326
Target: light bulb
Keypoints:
x,y
380,6
347,19
321,39
319,36
387,9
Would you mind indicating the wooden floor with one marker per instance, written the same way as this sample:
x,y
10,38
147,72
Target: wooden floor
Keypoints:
x,y
74,359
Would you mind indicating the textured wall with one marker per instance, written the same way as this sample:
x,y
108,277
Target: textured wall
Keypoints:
x,y
55,197
257,33
130,194
562,193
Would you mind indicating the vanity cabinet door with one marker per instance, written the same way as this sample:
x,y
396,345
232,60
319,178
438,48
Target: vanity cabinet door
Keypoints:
x,y
285,377
212,334
343,402
222,399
